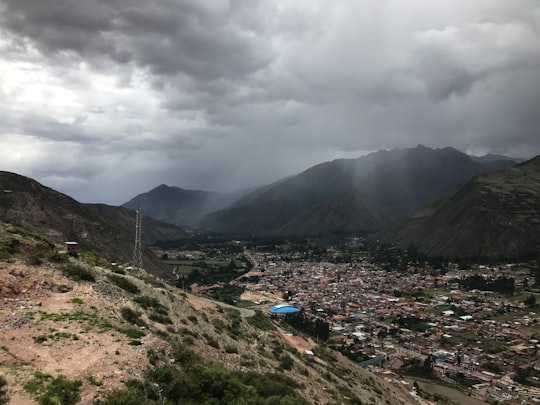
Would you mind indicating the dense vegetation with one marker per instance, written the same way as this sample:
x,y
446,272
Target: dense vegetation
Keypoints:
x,y
317,328
193,381
503,285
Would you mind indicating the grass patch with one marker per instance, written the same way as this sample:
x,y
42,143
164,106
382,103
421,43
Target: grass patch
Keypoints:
x,y
92,258
77,301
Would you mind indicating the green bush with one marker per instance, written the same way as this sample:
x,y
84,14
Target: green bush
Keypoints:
x,y
131,333
77,273
150,302
152,356
164,319
230,349
78,301
131,316
53,391
182,354
136,393
123,283
34,260
56,257
207,383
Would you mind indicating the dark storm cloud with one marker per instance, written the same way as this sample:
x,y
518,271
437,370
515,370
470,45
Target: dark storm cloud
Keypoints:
x,y
227,94
169,37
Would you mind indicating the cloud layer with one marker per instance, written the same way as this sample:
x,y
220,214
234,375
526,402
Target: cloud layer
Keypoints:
x,y
104,99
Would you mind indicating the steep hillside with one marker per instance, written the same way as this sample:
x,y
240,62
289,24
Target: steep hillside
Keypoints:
x,y
397,182
178,206
86,334
494,214
59,218
346,213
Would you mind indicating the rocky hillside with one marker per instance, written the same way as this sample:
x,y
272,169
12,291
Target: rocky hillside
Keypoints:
x,y
76,333
59,218
495,214
367,194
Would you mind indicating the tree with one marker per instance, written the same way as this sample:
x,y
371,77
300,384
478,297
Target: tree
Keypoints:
x,y
429,363
530,301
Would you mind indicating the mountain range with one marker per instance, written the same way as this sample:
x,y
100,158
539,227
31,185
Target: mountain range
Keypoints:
x,y
442,201
361,196
495,214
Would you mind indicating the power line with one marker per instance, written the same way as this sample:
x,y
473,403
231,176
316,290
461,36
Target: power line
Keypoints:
x,y
137,263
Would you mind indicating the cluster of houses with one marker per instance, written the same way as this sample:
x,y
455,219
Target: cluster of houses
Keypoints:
x,y
381,314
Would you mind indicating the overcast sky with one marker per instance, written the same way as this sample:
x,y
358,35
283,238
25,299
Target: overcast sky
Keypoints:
x,y
105,99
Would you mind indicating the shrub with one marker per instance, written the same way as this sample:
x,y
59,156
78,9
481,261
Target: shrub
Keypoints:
x,y
40,339
230,349
137,392
182,354
150,302
123,283
49,391
132,316
56,257
285,362
4,396
164,319
131,333
93,381
34,260
77,273
152,356
212,342
77,301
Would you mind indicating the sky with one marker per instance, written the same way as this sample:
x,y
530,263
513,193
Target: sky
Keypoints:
x,y
106,99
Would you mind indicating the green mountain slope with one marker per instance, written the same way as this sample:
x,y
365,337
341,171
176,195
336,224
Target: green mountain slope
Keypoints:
x,y
494,214
344,214
397,182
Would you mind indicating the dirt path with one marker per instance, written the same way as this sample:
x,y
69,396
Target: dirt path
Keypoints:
x,y
244,312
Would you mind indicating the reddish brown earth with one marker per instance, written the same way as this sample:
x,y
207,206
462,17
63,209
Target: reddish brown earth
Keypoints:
x,y
104,355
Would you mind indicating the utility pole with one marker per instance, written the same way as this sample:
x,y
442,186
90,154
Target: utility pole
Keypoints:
x,y
137,263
